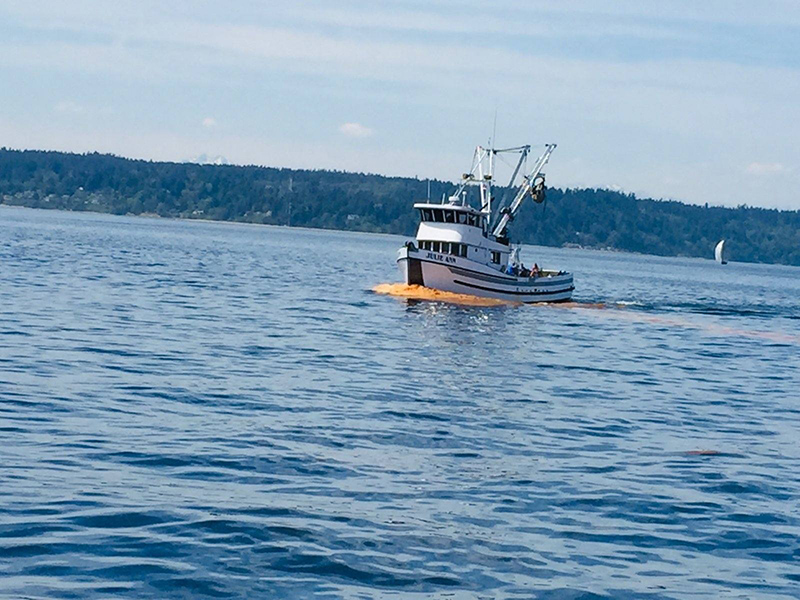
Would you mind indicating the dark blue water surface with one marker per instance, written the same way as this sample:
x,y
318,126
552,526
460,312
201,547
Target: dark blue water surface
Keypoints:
x,y
216,410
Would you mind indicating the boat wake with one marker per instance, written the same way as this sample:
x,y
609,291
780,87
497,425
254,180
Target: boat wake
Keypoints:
x,y
711,328
616,310
687,322
578,304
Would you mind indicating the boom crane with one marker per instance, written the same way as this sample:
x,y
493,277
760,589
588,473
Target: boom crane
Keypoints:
x,y
529,185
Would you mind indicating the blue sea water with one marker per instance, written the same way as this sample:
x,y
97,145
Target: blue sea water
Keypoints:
x,y
193,410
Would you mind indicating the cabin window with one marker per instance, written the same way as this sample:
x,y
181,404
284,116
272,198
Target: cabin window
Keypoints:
x,y
496,258
438,215
464,249
436,247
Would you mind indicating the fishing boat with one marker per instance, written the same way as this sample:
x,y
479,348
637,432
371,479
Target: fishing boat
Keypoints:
x,y
462,243
721,253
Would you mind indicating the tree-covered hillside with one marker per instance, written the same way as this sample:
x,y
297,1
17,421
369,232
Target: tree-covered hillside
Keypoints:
x,y
331,199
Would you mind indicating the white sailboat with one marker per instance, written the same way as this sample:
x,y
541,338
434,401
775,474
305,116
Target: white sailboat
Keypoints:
x,y
465,249
721,253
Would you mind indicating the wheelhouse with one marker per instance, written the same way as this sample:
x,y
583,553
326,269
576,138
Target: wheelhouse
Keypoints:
x,y
452,248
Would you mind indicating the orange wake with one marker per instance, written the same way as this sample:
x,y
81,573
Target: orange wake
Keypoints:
x,y
678,321
418,292
709,328
574,304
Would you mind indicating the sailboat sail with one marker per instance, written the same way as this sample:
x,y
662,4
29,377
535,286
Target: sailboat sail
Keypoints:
x,y
720,253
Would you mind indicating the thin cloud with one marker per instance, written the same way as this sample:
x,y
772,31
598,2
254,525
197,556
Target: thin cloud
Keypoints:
x,y
355,130
206,159
209,122
757,168
69,107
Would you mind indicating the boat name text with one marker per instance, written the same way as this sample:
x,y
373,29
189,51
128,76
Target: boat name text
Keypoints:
x,y
441,258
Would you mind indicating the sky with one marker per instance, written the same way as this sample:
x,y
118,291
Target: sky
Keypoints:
x,y
686,100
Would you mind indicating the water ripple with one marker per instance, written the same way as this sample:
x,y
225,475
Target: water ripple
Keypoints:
x,y
194,410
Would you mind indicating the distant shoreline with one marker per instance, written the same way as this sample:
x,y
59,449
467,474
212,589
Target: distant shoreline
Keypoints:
x,y
156,217
315,229
592,219
367,233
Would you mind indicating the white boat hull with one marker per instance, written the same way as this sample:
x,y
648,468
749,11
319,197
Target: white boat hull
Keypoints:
x,y
463,276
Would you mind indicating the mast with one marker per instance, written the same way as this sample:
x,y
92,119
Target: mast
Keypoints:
x,y
528,181
480,177
522,156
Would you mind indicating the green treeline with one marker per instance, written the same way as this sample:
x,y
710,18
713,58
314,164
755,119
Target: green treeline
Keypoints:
x,y
336,200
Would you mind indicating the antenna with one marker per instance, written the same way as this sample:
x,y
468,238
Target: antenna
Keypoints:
x,y
494,127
